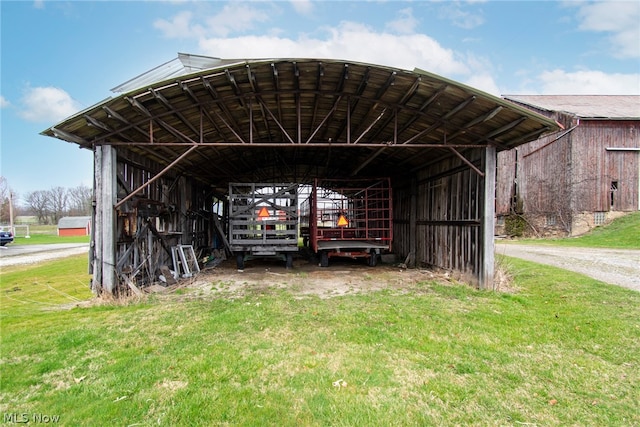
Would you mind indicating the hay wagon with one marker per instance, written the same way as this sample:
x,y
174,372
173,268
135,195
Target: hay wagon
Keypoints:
x,y
348,218
263,221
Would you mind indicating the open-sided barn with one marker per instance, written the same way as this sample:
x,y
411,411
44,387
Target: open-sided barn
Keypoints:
x,y
579,177
167,147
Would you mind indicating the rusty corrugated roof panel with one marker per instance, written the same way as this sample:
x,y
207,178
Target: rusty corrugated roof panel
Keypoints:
x,y
616,107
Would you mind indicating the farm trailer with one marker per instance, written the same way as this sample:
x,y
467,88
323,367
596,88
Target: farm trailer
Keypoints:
x,y
263,221
348,218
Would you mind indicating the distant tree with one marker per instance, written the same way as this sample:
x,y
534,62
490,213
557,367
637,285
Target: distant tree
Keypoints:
x,y
38,203
58,202
80,199
5,194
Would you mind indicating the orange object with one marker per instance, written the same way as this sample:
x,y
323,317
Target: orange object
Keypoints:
x,y
342,221
264,213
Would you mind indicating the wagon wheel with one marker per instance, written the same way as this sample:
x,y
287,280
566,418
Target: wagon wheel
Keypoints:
x,y
289,261
324,259
373,259
240,260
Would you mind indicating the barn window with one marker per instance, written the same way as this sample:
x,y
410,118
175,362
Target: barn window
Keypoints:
x,y
614,188
500,220
599,218
551,220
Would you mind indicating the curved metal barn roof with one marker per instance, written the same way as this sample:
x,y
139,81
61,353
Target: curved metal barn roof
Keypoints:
x,y
274,119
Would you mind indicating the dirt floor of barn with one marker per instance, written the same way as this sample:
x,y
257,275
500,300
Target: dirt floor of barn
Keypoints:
x,y
343,277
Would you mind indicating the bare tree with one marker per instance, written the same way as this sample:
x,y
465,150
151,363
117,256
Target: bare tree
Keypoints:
x,y
38,203
5,194
80,199
58,202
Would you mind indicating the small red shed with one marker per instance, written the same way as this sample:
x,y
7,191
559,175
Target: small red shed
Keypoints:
x,y
74,226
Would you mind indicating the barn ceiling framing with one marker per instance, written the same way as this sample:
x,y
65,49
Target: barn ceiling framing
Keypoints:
x,y
294,119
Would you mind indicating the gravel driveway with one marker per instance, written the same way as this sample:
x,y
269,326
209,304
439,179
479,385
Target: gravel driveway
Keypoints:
x,y
615,266
13,254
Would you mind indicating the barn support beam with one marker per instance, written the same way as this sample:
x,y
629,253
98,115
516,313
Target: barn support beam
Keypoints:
x,y
185,238
95,254
487,264
105,175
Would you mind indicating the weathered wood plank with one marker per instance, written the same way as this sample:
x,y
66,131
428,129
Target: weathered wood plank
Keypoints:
x,y
488,255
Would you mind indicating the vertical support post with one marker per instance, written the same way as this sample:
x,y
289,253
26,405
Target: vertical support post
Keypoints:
x,y
186,225
108,214
108,200
96,242
488,213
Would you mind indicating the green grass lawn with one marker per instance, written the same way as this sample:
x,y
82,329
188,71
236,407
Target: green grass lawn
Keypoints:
x,y
43,235
561,350
622,233
45,239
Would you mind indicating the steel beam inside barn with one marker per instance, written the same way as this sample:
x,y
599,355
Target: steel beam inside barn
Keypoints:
x,y
170,141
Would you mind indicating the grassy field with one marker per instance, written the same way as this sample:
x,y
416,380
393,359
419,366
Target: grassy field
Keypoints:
x,y
45,234
560,349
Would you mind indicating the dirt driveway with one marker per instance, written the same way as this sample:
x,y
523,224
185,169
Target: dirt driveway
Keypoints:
x,y
615,266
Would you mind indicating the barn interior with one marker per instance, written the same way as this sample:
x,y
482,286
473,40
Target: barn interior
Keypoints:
x,y
170,141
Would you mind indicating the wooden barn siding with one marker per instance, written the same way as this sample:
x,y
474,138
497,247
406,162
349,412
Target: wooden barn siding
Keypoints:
x,y
594,168
505,175
624,167
448,217
402,206
540,168
544,175
574,172
171,211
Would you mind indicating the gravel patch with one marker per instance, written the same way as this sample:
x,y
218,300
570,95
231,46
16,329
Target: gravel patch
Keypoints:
x,y
615,266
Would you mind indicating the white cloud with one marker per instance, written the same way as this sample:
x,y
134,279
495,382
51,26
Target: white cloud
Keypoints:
x,y
485,82
404,24
4,103
233,18
619,18
303,7
348,40
180,26
398,45
459,17
586,82
47,104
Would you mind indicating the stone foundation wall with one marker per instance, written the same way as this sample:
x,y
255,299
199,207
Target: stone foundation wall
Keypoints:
x,y
544,226
586,221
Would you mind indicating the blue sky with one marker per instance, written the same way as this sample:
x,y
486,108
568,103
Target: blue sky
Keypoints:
x,y
58,57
